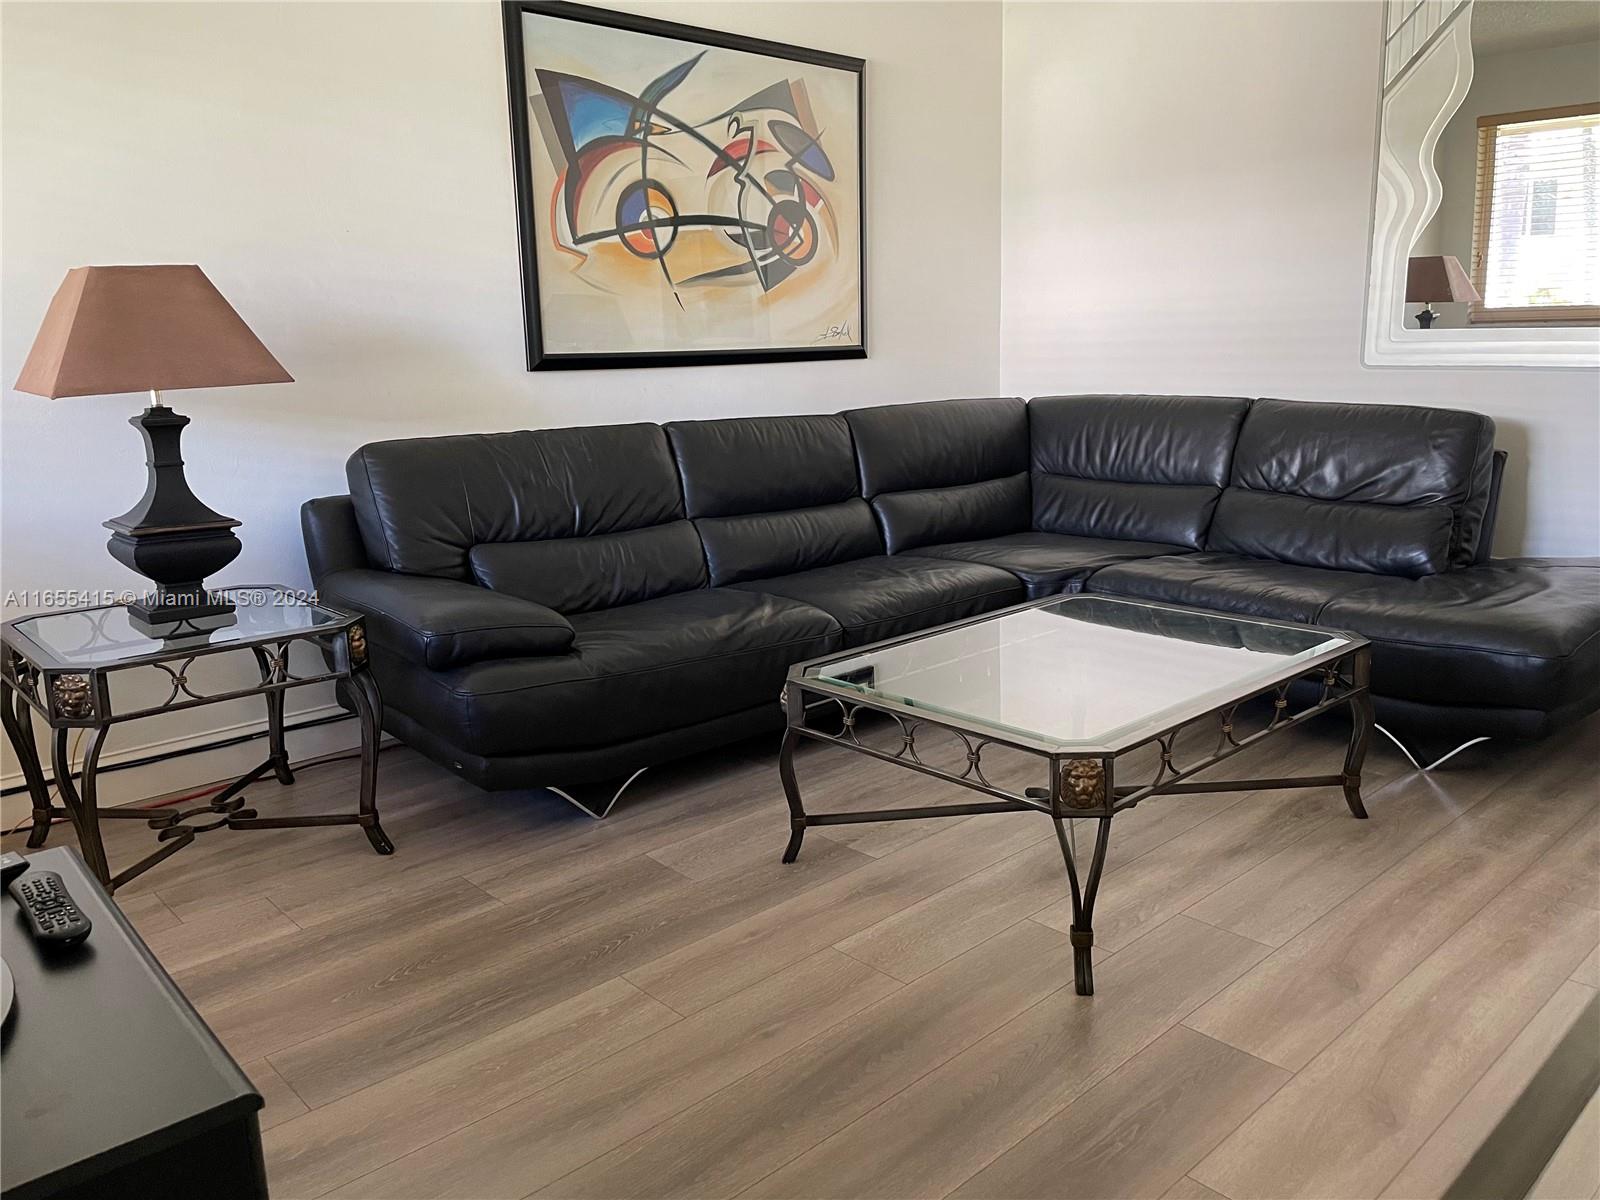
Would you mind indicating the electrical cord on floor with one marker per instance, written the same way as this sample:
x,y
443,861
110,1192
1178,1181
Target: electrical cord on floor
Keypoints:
x,y
221,744
320,760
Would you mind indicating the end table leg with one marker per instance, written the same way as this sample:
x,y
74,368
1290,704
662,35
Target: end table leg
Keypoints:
x,y
83,806
18,720
1361,725
277,753
791,792
369,709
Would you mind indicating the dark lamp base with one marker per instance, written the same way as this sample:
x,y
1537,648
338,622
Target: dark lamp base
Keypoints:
x,y
167,631
164,608
170,537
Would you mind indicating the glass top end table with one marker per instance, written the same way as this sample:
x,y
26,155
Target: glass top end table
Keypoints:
x,y
109,635
93,668
1082,683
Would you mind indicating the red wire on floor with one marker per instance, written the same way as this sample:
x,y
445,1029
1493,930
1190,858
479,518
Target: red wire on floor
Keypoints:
x,y
168,803
319,760
210,791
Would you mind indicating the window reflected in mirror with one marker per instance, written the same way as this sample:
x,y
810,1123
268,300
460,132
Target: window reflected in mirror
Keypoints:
x,y
1519,165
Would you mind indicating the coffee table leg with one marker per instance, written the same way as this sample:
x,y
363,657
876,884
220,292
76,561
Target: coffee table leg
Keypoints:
x,y
1082,931
1361,719
791,791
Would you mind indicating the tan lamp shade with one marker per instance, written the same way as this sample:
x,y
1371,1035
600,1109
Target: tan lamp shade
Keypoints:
x,y
1438,278
137,329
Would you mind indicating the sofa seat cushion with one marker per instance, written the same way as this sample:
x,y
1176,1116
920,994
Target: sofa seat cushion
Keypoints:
x,y
1048,563
666,663
881,597
1256,587
1515,635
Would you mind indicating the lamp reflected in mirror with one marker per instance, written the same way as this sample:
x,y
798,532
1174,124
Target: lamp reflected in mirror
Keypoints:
x,y
1437,279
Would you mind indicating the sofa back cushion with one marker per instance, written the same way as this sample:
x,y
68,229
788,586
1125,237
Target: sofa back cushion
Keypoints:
x,y
575,519
944,471
773,495
1140,468
1385,488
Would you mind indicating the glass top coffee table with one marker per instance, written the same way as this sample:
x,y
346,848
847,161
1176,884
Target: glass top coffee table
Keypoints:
x,y
1083,683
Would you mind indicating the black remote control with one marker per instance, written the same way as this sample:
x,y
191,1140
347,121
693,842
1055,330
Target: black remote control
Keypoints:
x,y
52,914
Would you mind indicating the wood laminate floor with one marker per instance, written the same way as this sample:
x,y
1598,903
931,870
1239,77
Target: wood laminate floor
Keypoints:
x,y
523,1001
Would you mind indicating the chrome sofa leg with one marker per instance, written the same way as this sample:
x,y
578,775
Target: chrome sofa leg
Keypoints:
x,y
596,799
1412,758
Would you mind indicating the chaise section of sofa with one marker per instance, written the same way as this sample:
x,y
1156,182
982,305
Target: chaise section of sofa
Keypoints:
x,y
1512,646
1376,518
1320,498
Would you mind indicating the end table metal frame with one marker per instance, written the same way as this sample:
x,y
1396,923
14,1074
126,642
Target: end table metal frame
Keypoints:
x,y
1082,783
70,696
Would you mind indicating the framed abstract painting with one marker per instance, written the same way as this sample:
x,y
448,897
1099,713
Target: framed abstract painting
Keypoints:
x,y
684,197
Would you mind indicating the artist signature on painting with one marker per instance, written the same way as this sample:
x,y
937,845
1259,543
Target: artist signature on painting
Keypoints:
x,y
834,333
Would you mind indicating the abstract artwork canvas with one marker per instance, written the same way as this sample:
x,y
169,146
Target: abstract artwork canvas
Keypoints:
x,y
684,196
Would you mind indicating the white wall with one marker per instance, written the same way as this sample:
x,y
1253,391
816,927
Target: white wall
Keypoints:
x,y
342,173
1519,81
1186,209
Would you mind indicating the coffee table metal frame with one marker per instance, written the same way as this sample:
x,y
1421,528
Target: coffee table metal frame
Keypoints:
x,y
1082,782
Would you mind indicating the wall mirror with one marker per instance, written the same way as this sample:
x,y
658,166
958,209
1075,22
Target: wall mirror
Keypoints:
x,y
1486,208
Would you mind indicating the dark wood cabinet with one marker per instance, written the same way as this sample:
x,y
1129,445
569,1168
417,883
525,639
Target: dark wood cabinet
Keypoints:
x,y
110,1083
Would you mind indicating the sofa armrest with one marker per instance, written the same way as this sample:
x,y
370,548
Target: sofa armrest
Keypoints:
x,y
332,537
440,623
1491,510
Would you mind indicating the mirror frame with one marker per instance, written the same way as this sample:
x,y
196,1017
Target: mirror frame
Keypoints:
x,y
1416,101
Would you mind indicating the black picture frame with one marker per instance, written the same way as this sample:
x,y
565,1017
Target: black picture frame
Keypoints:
x,y
522,169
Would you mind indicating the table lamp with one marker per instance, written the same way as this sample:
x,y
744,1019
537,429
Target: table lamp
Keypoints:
x,y
1440,279
156,328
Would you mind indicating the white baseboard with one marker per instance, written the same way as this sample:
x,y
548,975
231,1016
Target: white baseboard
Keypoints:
x,y
196,770
187,741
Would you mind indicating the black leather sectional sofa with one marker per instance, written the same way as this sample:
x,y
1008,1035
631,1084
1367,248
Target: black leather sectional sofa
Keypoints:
x,y
564,607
